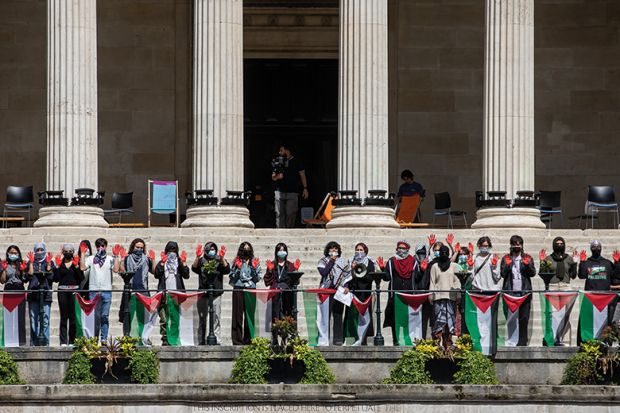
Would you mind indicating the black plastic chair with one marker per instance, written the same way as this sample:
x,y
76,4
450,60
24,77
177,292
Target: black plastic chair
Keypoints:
x,y
602,198
19,200
443,207
550,204
122,203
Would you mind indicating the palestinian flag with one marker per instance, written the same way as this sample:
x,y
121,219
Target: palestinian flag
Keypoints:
x,y
12,319
182,318
408,317
359,316
594,314
481,321
316,306
143,315
258,306
508,332
556,308
85,315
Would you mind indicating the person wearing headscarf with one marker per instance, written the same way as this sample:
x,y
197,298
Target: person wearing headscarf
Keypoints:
x,y
600,275
14,276
443,279
362,265
41,263
68,275
208,257
244,274
402,270
517,269
276,277
335,273
170,272
100,268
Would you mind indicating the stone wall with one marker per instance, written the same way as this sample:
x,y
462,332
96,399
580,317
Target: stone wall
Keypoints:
x,y
436,83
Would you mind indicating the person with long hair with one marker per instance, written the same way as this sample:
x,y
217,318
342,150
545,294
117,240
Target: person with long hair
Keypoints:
x,y
68,275
276,276
14,275
170,272
443,279
85,284
335,273
211,266
244,274
40,262
362,265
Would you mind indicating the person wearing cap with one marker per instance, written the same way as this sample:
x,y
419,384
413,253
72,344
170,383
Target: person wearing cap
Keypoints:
x,y
401,271
40,264
517,269
564,268
600,274
68,276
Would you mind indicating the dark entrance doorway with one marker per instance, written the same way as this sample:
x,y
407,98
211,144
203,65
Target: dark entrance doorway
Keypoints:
x,y
295,102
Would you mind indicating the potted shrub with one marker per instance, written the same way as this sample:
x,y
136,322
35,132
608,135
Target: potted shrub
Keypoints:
x,y
597,361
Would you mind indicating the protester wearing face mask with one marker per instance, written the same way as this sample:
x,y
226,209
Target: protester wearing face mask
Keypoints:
x,y
402,269
244,274
100,268
210,279
14,275
360,286
517,269
170,271
85,285
276,276
68,275
443,279
485,272
41,262
335,272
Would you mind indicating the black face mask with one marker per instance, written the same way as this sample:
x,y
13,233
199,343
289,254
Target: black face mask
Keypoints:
x,y
515,250
596,252
245,254
68,255
559,249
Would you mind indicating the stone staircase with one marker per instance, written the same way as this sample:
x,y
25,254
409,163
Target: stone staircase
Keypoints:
x,y
305,244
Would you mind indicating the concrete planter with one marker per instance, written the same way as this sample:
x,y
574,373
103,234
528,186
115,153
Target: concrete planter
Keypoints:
x,y
286,372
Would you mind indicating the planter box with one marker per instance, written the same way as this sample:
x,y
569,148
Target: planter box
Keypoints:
x,y
119,369
441,370
283,372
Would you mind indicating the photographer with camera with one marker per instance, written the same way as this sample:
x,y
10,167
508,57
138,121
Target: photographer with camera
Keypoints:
x,y
287,172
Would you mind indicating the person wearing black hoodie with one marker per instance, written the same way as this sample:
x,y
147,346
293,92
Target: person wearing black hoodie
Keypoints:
x,y
211,266
517,269
170,271
600,275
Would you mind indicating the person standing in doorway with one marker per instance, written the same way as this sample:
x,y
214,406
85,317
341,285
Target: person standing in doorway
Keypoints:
x,y
288,173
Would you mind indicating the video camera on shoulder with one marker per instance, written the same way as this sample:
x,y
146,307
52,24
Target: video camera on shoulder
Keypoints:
x,y
277,165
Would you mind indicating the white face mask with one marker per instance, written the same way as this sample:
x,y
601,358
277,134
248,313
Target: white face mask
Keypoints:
x,y
333,253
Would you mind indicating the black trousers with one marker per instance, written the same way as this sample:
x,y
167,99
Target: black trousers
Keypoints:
x,y
67,316
524,321
239,329
337,311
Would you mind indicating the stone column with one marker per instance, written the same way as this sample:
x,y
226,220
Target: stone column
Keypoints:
x,y
71,109
218,111
363,111
508,157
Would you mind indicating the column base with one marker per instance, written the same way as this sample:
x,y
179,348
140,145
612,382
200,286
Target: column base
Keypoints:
x,y
218,216
74,216
362,217
508,218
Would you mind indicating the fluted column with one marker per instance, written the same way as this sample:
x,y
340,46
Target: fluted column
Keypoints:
x,y
508,146
363,109
71,109
218,110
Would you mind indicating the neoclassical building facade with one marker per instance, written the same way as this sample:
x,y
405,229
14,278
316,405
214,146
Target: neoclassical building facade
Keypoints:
x,y
469,94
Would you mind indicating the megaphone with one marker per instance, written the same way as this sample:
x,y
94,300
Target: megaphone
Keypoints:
x,y
360,270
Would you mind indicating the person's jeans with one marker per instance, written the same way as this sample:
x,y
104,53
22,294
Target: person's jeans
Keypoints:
x,y
102,316
33,307
286,209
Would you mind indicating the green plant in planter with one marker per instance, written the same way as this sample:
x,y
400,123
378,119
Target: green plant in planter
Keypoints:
x,y
410,369
8,369
593,360
252,365
475,368
210,266
317,369
144,367
546,266
78,371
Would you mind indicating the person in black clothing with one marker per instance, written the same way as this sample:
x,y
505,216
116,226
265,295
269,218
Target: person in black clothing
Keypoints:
x,y
600,275
277,277
68,276
210,278
517,269
360,285
85,285
170,272
41,262
14,275
287,188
